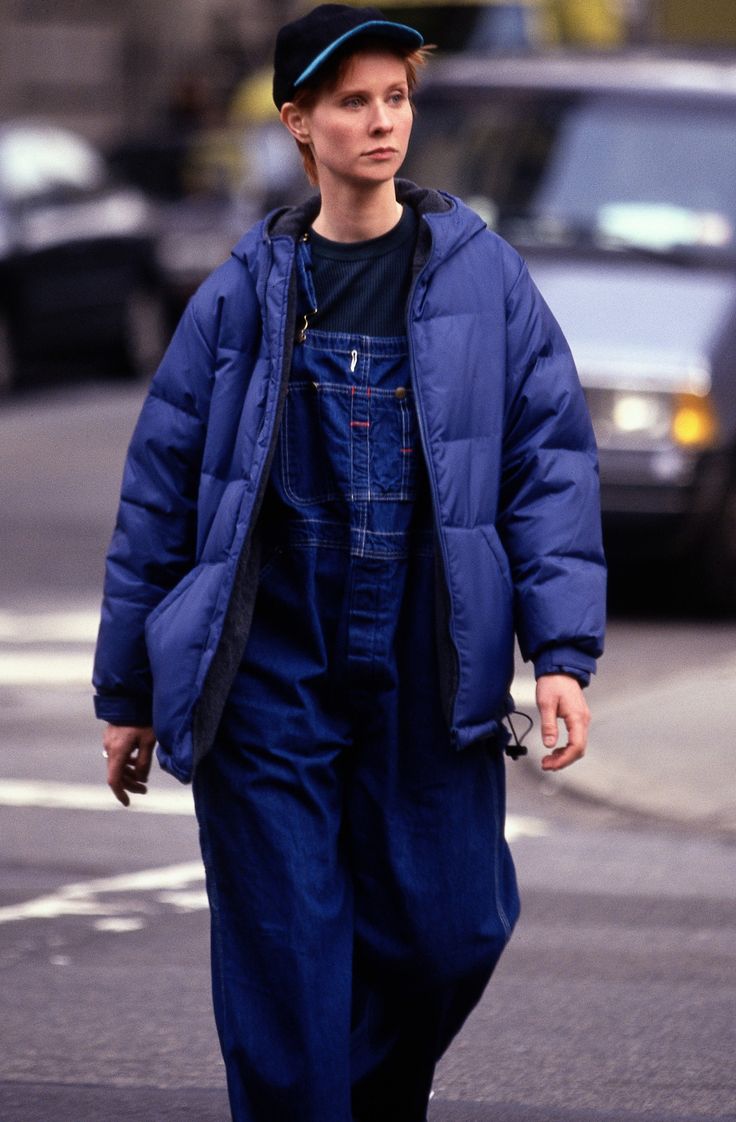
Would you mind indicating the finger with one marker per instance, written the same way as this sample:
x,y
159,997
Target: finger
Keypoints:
x,y
548,717
130,771
562,757
116,785
144,756
115,768
132,780
577,723
577,727
120,773
125,783
134,786
129,754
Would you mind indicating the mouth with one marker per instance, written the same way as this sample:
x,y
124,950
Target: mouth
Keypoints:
x,y
381,152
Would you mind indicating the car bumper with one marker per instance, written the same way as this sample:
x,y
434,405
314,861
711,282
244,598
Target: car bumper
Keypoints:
x,y
660,502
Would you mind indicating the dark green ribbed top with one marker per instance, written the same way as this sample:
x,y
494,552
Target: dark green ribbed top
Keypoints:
x,y
362,287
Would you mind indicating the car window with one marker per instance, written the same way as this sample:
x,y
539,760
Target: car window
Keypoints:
x,y
659,174
655,174
39,162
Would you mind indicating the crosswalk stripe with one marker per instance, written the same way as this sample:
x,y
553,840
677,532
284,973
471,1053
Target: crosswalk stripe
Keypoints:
x,y
50,795
49,627
83,898
39,668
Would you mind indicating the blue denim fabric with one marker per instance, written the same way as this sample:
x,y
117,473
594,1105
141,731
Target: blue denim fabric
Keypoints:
x,y
360,886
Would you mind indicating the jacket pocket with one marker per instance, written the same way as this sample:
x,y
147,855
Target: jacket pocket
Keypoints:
x,y
494,543
171,597
176,633
479,579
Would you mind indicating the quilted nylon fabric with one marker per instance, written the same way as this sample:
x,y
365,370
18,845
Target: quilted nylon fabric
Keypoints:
x,y
510,455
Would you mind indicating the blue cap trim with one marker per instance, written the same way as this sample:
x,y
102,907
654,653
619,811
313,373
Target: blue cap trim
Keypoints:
x,y
388,30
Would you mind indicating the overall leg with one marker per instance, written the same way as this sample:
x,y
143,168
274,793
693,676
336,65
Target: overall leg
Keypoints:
x,y
435,892
269,801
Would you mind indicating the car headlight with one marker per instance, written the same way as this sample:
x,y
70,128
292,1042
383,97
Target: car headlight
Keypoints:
x,y
648,414
631,419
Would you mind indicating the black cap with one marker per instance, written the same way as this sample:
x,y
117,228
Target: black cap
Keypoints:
x,y
303,46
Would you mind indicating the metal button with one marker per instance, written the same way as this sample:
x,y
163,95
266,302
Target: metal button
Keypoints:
x,y
400,392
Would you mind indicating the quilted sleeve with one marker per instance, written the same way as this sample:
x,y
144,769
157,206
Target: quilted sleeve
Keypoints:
x,y
549,515
153,541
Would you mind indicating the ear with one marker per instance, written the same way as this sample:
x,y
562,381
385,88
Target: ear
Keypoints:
x,y
295,121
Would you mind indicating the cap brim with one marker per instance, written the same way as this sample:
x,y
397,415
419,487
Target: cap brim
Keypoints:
x,y
381,28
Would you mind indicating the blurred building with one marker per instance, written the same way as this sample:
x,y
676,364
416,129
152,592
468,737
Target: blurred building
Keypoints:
x,y
114,70
708,23
109,68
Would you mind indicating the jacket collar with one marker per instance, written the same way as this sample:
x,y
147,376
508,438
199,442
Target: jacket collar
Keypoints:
x,y
294,221
457,223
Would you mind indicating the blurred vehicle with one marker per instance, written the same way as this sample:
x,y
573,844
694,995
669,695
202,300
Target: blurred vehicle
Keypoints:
x,y
211,181
78,272
229,177
501,26
616,179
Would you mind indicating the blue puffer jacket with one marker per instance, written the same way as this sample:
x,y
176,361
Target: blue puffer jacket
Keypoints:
x,y
511,462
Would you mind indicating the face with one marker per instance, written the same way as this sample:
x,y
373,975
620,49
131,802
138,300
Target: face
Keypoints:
x,y
359,131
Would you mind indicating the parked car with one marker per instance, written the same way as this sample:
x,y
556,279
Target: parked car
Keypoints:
x,y
208,186
616,179
78,272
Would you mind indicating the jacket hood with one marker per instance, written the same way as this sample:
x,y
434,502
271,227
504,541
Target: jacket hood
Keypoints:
x,y
452,223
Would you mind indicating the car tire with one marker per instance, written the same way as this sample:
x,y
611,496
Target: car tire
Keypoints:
x,y
146,331
8,358
718,564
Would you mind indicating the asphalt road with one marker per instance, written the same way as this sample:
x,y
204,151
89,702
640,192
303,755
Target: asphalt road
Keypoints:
x,y
615,1002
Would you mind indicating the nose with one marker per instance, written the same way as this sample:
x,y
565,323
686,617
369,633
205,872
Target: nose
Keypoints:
x,y
380,118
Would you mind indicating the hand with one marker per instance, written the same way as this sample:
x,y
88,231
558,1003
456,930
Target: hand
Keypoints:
x,y
560,695
129,754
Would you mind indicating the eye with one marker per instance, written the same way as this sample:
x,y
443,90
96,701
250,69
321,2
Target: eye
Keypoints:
x,y
397,97
353,102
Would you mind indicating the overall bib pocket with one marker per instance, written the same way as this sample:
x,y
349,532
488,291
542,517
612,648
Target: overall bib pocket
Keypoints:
x,y
372,432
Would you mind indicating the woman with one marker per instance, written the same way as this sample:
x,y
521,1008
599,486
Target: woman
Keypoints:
x,y
365,459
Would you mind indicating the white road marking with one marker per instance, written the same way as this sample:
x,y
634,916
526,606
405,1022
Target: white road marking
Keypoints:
x,y
87,796
47,667
178,886
64,643
186,900
119,926
83,899
49,627
523,826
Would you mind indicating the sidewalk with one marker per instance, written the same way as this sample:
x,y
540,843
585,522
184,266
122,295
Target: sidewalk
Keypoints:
x,y
667,749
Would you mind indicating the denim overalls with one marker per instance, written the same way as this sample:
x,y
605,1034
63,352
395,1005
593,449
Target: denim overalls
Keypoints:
x,y
360,887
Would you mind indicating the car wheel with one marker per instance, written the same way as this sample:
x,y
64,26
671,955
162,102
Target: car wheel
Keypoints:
x,y
718,566
8,360
146,331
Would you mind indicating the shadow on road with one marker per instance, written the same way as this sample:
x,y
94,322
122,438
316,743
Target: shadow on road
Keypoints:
x,y
22,1102
504,1112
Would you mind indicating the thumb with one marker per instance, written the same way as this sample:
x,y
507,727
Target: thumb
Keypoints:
x,y
547,706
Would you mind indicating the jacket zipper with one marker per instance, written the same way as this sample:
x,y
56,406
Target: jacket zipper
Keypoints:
x,y
422,424
204,728
288,349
